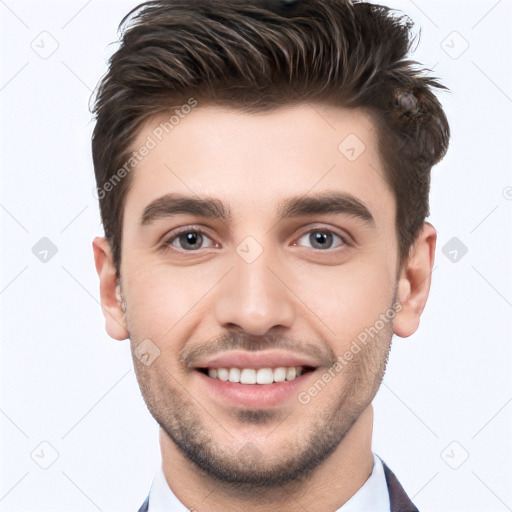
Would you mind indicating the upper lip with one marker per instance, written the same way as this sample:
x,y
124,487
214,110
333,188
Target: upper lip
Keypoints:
x,y
266,359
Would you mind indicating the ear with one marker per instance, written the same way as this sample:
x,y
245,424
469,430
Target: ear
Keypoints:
x,y
414,282
115,323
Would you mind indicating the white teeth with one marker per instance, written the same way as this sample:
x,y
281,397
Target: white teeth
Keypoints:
x,y
248,376
255,376
280,374
234,375
222,374
290,373
264,376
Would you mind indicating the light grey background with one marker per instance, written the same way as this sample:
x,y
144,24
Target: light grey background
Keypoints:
x,y
447,392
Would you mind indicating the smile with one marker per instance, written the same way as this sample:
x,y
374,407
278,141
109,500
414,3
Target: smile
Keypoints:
x,y
256,375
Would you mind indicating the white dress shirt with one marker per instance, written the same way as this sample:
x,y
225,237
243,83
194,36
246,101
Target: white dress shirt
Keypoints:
x,y
373,496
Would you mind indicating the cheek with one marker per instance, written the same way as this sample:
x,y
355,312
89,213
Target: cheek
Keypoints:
x,y
159,297
150,302
351,297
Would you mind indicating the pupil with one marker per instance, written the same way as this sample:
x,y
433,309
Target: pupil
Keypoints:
x,y
191,239
321,240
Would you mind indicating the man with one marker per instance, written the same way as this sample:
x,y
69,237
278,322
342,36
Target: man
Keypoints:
x,y
263,171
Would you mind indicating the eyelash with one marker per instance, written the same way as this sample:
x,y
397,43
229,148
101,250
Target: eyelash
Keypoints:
x,y
168,244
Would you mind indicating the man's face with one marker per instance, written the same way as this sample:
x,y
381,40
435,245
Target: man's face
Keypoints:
x,y
279,280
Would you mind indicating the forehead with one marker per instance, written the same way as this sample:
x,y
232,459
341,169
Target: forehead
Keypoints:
x,y
254,161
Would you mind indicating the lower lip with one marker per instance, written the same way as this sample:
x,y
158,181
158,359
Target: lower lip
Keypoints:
x,y
253,395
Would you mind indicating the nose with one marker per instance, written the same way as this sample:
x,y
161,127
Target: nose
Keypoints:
x,y
254,297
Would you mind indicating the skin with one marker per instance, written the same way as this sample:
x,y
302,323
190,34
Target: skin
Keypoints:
x,y
223,457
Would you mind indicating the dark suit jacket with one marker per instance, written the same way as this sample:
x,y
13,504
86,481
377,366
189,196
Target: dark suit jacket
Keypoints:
x,y
400,502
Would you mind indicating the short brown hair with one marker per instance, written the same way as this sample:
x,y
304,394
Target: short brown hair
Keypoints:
x,y
263,54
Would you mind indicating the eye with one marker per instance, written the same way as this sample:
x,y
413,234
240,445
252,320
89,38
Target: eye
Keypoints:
x,y
322,239
189,240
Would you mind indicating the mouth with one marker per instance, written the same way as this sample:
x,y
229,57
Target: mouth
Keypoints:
x,y
271,378
256,376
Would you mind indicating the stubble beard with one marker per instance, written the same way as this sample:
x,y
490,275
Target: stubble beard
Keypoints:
x,y
185,422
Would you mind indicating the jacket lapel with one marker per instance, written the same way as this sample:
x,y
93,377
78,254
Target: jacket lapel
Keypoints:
x,y
399,500
145,506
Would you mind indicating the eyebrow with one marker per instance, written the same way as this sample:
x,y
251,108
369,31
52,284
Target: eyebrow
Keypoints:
x,y
326,203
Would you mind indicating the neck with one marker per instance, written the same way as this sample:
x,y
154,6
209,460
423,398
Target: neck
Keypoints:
x,y
331,485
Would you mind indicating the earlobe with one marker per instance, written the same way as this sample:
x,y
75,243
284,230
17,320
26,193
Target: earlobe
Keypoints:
x,y
414,282
111,301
